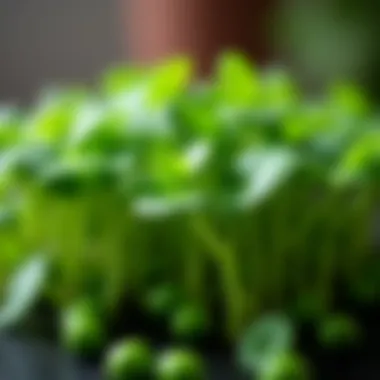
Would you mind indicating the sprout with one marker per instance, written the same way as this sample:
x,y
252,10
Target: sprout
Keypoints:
x,y
237,189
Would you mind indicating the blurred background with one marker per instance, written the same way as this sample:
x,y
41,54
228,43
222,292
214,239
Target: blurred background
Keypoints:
x,y
55,41
45,41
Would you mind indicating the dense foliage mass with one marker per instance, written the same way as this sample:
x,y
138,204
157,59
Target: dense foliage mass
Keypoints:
x,y
236,191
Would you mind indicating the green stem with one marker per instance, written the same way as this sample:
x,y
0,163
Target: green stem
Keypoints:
x,y
114,254
310,215
73,243
362,219
225,257
329,251
194,270
251,259
279,247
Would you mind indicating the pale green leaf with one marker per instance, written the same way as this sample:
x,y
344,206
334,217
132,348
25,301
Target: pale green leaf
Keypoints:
x,y
24,289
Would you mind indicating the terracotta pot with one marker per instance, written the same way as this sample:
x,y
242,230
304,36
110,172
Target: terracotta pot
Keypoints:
x,y
157,29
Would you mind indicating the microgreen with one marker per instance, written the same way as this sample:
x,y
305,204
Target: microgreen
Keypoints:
x,y
155,178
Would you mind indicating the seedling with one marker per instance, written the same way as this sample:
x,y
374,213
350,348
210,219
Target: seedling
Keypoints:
x,y
238,189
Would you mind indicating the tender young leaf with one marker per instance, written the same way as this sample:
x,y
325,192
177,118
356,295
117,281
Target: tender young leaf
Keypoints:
x,y
236,80
361,161
98,129
269,337
265,170
305,123
279,91
197,155
168,80
9,126
53,117
64,179
120,79
349,99
23,291
195,112
24,162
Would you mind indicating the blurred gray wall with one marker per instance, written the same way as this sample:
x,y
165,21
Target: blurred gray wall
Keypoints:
x,y
49,41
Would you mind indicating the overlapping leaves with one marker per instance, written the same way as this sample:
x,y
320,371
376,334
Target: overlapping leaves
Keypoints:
x,y
156,118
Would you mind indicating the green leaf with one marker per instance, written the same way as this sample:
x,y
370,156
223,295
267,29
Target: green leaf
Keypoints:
x,y
25,161
120,79
236,80
98,129
288,365
360,161
53,117
305,123
265,170
279,91
10,121
197,155
168,81
267,338
347,98
82,328
24,289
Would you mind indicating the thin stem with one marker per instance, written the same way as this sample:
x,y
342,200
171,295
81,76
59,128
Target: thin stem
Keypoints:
x,y
194,266
329,250
279,246
361,233
228,267
117,258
